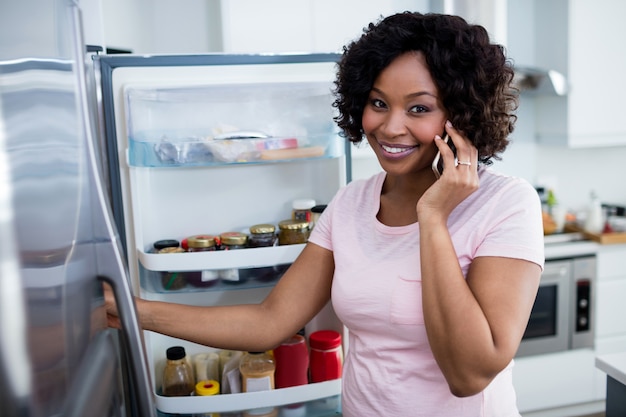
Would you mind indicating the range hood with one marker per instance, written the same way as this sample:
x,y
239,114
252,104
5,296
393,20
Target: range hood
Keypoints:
x,y
493,15
535,81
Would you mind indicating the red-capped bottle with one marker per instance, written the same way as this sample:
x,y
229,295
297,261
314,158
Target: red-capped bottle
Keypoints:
x,y
326,355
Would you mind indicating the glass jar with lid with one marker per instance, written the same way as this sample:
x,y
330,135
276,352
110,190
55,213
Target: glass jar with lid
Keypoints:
x,y
261,235
293,231
201,243
232,241
172,280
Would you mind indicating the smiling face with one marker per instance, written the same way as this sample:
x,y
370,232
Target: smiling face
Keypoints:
x,y
402,116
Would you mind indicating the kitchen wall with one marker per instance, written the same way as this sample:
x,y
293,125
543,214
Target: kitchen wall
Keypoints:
x,y
197,26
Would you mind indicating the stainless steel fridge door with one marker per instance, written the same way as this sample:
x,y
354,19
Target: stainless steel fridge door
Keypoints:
x,y
57,245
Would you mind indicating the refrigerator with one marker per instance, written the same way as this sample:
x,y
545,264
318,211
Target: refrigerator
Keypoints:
x,y
58,239
213,143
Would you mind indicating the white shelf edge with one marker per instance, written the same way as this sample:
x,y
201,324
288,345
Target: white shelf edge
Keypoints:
x,y
240,258
246,401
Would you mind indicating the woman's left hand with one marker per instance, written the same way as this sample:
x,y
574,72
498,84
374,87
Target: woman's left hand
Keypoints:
x,y
458,180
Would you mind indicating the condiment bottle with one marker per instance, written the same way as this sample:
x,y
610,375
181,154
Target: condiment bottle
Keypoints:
x,y
165,243
292,362
257,374
316,212
232,241
172,280
594,221
207,388
293,232
177,375
326,355
207,366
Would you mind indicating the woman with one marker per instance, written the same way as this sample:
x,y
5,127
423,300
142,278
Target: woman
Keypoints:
x,y
434,278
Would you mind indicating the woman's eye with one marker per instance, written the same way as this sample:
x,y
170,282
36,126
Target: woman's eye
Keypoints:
x,y
418,109
379,104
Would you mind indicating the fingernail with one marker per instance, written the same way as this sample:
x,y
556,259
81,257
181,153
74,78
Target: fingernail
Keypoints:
x,y
448,123
437,137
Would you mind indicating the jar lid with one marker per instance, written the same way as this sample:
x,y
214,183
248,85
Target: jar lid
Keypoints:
x,y
172,250
303,204
292,224
208,387
325,339
201,241
175,353
165,243
262,228
233,238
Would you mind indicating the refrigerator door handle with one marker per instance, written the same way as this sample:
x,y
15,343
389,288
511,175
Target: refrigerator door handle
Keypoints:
x,y
132,343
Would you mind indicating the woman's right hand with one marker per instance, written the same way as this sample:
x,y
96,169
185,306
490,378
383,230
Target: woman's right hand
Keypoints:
x,y
113,319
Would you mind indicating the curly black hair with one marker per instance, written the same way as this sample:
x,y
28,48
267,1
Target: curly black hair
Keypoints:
x,y
473,75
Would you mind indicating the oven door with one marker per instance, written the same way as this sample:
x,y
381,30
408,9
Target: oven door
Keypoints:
x,y
548,326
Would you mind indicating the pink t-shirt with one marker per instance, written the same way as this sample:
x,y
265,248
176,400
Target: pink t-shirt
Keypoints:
x,y
389,367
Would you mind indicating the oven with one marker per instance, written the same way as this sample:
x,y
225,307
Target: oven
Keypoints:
x,y
562,317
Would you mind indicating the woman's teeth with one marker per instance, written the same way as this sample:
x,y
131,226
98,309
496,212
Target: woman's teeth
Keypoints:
x,y
394,150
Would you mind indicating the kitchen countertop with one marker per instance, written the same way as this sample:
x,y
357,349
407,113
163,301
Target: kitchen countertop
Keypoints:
x,y
568,245
614,364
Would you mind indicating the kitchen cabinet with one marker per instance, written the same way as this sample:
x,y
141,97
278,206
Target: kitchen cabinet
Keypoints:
x,y
578,39
610,307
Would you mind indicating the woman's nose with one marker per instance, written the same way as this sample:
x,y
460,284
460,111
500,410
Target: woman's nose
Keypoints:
x,y
394,124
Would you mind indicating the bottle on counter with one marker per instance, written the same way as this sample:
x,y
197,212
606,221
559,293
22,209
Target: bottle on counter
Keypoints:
x,y
177,376
594,222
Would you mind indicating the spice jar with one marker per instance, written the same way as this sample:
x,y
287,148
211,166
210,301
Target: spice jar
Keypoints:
x,y
172,280
316,212
326,355
261,235
232,241
204,278
293,232
177,375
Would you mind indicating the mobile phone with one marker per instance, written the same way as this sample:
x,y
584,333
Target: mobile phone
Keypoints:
x,y
438,162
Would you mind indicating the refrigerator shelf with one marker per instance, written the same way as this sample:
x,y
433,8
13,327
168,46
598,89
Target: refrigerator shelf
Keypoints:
x,y
197,151
246,401
241,259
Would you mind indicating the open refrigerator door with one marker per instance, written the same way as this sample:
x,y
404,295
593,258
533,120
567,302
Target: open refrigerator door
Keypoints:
x,y
206,144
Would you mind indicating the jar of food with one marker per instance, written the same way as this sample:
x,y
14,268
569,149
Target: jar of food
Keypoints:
x,y
165,243
301,209
326,360
261,235
232,241
177,375
201,243
293,232
204,278
316,212
172,280
257,374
